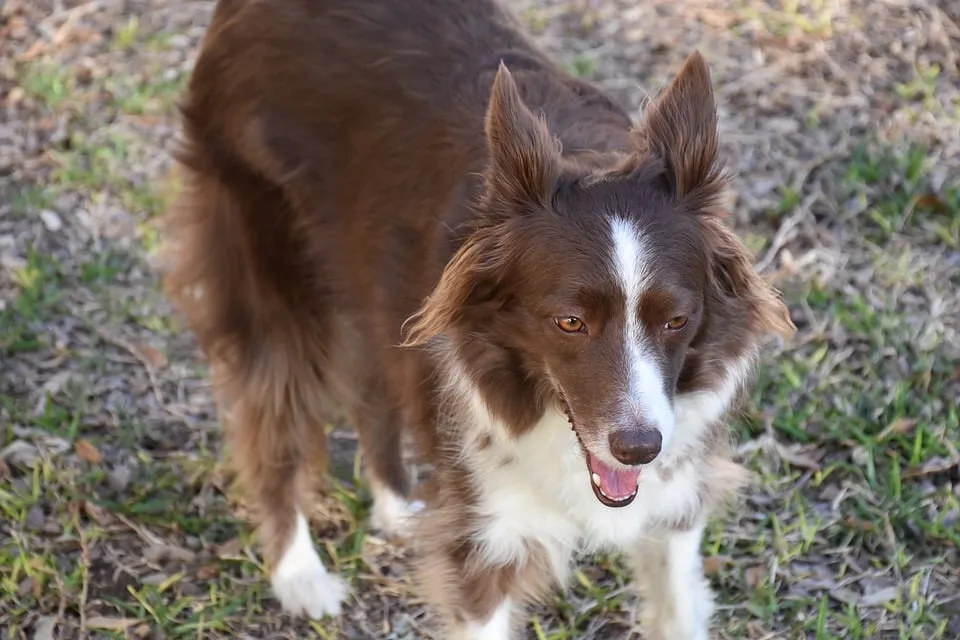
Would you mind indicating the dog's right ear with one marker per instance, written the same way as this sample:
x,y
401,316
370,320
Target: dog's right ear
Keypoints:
x,y
469,281
524,156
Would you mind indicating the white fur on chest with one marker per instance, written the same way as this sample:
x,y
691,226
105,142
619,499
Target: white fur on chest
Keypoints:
x,y
537,487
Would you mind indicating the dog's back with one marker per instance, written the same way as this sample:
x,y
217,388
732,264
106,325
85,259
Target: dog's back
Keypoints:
x,y
331,150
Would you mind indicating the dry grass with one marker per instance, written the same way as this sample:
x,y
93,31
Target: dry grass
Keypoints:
x,y
843,122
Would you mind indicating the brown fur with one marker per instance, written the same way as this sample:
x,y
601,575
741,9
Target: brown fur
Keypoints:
x,y
359,167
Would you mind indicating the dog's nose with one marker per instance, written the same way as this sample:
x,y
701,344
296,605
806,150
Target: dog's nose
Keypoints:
x,y
636,446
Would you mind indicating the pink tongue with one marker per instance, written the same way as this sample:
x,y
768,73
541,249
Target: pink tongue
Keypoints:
x,y
618,484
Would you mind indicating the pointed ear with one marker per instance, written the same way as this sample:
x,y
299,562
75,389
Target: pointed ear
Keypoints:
x,y
735,282
524,156
680,128
468,281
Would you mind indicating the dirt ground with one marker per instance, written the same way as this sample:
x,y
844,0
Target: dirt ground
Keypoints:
x,y
842,121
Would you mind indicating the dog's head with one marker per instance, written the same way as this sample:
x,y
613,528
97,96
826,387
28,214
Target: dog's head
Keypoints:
x,y
609,291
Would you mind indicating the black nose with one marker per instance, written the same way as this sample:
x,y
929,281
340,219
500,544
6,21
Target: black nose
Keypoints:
x,y
635,446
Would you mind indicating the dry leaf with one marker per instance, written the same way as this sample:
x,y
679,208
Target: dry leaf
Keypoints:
x,y
933,466
88,452
96,513
898,427
208,572
43,628
880,597
153,356
111,624
713,564
931,201
755,576
798,458
229,549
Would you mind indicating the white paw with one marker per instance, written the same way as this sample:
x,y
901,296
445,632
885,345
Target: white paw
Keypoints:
x,y
660,628
311,591
302,584
391,514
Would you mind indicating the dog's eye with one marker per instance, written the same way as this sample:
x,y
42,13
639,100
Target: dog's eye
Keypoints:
x,y
675,324
571,324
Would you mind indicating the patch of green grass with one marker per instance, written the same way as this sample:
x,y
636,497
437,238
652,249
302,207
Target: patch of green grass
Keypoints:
x,y
151,95
892,190
94,167
581,66
127,35
47,81
786,17
30,198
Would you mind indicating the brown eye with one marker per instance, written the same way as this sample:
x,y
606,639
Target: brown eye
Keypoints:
x,y
675,324
571,324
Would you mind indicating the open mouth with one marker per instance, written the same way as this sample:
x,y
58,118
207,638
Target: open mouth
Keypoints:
x,y
614,487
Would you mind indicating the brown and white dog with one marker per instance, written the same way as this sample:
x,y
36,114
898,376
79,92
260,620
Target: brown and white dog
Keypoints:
x,y
406,212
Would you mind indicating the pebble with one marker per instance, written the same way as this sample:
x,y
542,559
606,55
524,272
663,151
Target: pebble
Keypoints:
x,y
51,220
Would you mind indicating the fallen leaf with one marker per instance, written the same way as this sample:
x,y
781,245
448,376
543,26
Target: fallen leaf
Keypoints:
x,y
877,598
931,201
208,572
88,452
51,220
164,552
229,549
844,595
21,453
933,466
798,458
713,564
153,356
111,624
97,513
28,586
898,427
862,525
43,628
755,576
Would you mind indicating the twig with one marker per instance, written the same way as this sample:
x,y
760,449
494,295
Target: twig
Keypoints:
x,y
85,576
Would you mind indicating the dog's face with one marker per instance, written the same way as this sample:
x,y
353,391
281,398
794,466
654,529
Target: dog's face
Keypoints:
x,y
608,292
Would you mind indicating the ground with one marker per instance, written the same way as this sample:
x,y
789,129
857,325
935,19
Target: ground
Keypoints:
x,y
841,119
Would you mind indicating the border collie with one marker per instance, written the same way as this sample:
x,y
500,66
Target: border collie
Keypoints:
x,y
404,214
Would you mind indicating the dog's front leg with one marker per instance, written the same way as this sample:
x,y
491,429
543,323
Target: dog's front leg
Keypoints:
x,y
678,601
496,626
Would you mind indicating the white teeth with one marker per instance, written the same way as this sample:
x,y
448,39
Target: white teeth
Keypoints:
x,y
603,493
596,479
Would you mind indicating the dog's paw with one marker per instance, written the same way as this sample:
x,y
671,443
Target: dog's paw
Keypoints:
x,y
310,590
301,583
661,628
392,515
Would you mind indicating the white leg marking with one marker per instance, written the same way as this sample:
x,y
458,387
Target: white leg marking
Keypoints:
x,y
678,603
496,628
301,582
631,264
392,514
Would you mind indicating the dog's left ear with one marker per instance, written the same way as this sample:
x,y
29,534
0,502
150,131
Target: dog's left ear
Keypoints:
x,y
680,128
734,282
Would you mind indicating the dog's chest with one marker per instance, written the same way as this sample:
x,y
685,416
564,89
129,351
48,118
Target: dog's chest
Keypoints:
x,y
538,488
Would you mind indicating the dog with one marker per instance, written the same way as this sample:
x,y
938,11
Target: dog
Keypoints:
x,y
405,214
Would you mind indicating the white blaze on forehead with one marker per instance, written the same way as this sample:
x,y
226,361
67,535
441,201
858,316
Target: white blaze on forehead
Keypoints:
x,y
633,267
